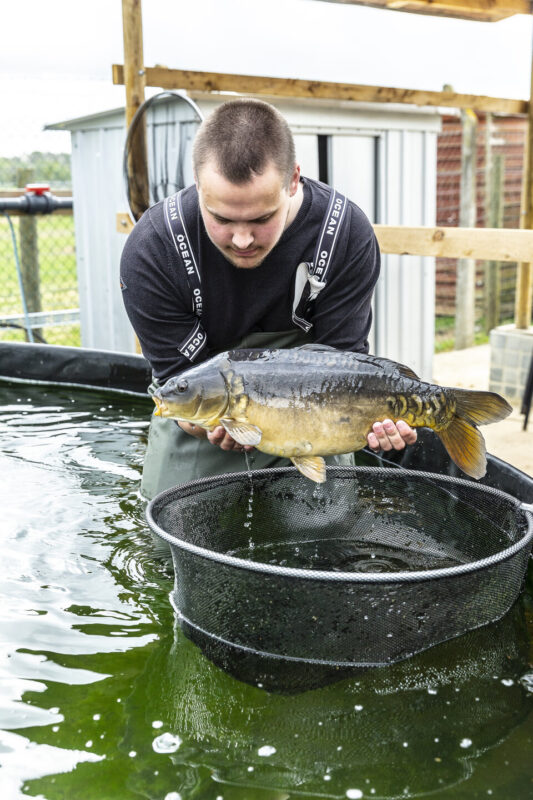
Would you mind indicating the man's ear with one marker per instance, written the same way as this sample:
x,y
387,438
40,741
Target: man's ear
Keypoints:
x,y
294,181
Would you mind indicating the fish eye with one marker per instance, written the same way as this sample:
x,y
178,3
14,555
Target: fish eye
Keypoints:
x,y
182,386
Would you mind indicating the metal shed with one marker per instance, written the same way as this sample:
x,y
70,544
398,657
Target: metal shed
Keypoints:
x,y
382,157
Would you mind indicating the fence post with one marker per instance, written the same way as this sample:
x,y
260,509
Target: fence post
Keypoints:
x,y
494,220
29,253
524,277
465,287
134,79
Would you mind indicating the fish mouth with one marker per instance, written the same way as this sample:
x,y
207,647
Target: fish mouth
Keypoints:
x,y
160,406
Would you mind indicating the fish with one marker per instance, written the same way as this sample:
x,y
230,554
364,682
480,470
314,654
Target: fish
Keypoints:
x,y
314,401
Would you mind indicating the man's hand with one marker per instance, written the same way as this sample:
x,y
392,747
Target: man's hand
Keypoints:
x,y
221,438
388,436
218,437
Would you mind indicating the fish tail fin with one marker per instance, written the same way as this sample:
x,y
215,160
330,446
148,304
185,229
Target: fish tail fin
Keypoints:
x,y
464,443
480,408
465,446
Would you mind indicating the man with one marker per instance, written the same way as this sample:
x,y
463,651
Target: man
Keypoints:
x,y
226,264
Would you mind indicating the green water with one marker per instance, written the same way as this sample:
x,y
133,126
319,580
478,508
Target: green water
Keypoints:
x,y
103,697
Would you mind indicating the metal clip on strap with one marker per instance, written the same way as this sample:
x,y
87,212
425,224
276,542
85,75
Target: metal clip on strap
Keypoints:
x,y
311,277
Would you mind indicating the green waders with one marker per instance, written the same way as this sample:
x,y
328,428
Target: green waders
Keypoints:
x,y
173,457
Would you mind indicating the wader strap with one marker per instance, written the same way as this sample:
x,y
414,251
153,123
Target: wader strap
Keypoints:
x,y
195,341
311,277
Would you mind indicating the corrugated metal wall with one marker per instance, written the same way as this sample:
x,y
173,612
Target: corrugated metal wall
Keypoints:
x,y
405,298
98,195
384,158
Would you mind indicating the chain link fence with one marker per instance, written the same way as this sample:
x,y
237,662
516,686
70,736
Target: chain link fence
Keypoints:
x,y
38,281
498,167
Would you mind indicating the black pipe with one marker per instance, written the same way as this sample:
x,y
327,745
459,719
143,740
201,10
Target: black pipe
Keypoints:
x,y
31,203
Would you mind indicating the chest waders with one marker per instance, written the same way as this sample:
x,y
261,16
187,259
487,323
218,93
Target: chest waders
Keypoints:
x,y
173,457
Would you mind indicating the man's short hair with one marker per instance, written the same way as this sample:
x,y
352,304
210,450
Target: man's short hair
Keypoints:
x,y
243,136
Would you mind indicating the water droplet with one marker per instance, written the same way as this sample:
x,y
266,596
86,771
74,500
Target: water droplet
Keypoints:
x,y
157,723
266,750
132,754
431,690
527,681
327,777
166,743
173,796
55,728
464,743
353,794
250,769
358,708
96,717
405,744
507,682
89,743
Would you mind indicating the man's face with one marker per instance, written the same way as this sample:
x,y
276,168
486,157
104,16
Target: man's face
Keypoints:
x,y
245,221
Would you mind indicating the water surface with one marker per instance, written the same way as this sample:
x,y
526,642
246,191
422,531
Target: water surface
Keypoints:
x,y
104,697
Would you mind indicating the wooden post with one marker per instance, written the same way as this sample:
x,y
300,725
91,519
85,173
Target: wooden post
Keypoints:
x,y
524,278
494,219
134,79
29,253
465,287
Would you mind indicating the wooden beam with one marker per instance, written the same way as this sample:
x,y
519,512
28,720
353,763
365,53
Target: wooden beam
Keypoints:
x,y
465,285
134,80
480,10
292,87
524,278
497,244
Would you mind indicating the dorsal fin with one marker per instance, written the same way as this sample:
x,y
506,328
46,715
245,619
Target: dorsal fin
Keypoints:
x,y
388,364
385,363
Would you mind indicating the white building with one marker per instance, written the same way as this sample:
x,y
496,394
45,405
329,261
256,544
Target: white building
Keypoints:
x,y
382,156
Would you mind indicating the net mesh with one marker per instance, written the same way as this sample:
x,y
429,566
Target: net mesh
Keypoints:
x,y
367,569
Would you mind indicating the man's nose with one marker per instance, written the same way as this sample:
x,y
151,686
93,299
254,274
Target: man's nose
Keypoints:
x,y
242,237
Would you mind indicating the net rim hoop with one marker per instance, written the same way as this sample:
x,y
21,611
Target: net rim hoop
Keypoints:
x,y
328,575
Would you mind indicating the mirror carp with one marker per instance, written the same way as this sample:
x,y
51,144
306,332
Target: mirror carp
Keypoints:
x,y
314,401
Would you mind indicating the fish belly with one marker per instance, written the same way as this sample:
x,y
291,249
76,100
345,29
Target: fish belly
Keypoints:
x,y
313,429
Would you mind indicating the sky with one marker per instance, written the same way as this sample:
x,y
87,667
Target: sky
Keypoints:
x,y
56,55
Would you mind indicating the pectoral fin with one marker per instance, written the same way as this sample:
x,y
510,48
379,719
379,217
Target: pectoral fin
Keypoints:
x,y
313,467
242,432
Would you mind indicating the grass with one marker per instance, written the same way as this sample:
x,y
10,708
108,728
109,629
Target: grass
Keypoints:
x,y
58,282
445,333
